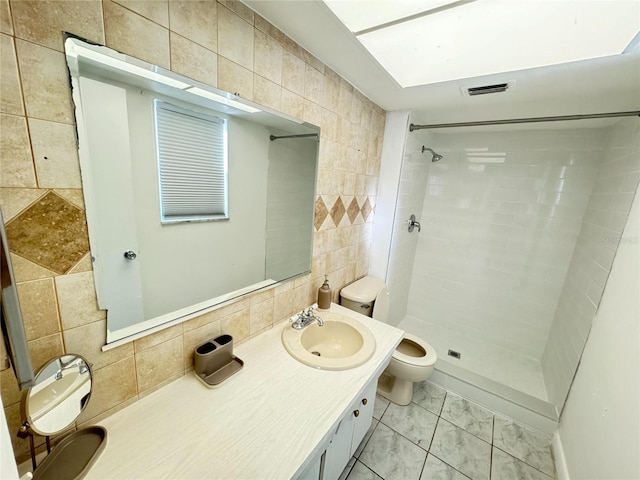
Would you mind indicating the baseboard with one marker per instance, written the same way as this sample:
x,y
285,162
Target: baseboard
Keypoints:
x,y
562,472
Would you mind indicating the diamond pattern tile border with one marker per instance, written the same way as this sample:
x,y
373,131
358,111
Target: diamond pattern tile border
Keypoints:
x,y
338,211
321,213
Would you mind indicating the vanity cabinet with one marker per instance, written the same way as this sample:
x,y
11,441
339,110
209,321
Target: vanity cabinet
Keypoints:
x,y
345,439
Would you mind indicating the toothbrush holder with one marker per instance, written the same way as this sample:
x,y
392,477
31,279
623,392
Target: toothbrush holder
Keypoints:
x,y
212,355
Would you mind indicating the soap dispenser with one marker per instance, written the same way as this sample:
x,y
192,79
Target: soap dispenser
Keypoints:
x,y
324,295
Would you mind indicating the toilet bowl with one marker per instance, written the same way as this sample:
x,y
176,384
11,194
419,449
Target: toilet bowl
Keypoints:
x,y
413,359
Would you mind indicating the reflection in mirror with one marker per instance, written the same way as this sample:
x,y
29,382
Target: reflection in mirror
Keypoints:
x,y
163,245
61,391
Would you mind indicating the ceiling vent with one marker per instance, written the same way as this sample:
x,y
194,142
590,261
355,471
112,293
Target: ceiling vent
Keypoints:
x,y
486,89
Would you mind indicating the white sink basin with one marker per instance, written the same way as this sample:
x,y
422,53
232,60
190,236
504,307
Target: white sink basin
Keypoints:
x,y
341,343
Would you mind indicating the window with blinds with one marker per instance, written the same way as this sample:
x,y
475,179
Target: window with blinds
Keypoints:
x,y
192,164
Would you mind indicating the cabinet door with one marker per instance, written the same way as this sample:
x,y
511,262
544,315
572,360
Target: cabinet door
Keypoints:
x,y
312,472
362,420
339,450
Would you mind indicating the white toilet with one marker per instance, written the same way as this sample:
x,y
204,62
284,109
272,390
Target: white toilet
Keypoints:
x,y
413,359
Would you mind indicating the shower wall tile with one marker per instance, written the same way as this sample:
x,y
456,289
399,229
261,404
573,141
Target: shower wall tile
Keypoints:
x,y
215,42
500,220
600,233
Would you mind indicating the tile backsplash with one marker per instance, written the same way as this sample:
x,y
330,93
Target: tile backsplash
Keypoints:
x,y
224,44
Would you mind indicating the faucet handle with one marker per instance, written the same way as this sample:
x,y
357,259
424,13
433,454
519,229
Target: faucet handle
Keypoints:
x,y
310,310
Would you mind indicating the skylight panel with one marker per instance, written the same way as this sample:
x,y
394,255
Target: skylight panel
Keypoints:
x,y
360,15
493,36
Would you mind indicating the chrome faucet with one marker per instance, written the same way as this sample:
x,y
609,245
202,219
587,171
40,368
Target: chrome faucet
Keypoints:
x,y
305,318
82,368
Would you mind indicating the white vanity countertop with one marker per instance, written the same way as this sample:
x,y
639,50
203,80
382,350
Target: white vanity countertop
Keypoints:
x,y
268,421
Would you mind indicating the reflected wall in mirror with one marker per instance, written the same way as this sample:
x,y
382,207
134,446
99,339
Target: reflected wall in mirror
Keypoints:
x,y
62,390
151,268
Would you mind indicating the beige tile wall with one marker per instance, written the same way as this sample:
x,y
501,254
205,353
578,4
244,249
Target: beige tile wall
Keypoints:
x,y
223,44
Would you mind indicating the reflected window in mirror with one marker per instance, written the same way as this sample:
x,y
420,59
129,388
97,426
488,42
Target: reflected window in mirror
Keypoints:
x,y
191,149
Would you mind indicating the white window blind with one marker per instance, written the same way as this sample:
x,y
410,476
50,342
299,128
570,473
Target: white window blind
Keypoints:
x,y
192,164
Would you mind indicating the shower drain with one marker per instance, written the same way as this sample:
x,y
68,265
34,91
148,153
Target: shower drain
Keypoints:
x,y
454,354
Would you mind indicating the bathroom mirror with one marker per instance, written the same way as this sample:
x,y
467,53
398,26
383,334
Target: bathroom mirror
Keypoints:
x,y
142,131
61,391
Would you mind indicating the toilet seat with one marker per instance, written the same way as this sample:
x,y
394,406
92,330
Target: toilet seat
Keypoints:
x,y
427,360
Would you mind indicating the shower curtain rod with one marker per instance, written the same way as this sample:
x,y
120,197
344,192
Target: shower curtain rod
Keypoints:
x,y
273,137
635,113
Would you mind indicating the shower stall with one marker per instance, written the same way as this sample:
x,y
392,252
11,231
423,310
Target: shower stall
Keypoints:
x,y
519,227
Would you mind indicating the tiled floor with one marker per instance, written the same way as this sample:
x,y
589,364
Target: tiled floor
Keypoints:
x,y
443,436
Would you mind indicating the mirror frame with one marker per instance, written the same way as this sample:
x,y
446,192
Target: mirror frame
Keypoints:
x,y
55,366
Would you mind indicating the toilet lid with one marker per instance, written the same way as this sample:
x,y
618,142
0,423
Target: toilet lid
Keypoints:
x,y
427,360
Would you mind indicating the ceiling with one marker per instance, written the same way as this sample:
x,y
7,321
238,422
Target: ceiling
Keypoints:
x,y
607,84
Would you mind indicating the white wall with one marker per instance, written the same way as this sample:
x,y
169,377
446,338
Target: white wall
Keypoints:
x,y
600,425
395,133
601,230
411,192
500,221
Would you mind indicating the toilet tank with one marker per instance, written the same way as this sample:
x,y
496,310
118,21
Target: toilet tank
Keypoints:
x,y
368,296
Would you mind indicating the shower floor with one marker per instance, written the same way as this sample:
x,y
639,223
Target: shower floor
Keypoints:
x,y
495,363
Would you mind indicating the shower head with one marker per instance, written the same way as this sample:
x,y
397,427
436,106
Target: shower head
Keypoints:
x,y
436,157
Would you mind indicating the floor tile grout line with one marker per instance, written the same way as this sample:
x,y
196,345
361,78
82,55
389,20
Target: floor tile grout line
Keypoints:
x,y
406,438
490,442
424,464
528,464
456,426
475,436
493,416
448,465
370,469
493,424
434,434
